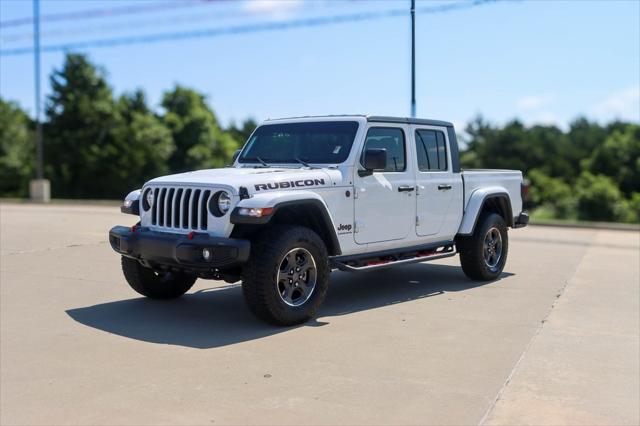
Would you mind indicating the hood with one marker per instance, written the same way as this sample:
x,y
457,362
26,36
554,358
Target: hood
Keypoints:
x,y
254,179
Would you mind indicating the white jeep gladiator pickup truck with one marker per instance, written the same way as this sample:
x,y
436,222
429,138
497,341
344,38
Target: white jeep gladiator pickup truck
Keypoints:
x,y
309,195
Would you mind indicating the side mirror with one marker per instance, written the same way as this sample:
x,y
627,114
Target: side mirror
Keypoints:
x,y
235,155
374,159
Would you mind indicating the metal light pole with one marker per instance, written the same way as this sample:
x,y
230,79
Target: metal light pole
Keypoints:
x,y
36,65
39,188
413,58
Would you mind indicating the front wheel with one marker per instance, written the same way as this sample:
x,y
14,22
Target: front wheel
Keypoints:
x,y
153,284
287,276
484,253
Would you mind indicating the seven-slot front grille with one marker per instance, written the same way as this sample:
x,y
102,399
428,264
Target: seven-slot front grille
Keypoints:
x,y
180,208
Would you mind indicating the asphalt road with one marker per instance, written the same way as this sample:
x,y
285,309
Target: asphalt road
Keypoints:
x,y
555,341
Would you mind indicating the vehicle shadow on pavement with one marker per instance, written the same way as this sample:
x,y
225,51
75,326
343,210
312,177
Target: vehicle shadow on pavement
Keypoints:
x,y
218,316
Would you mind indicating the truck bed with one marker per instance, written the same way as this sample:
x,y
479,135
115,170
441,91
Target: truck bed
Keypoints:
x,y
507,180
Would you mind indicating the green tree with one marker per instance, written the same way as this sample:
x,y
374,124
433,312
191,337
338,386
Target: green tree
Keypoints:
x,y
634,208
98,147
619,158
599,198
515,146
584,137
241,134
198,138
553,194
143,144
80,133
17,147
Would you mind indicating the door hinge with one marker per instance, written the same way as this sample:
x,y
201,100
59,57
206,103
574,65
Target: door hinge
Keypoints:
x,y
417,220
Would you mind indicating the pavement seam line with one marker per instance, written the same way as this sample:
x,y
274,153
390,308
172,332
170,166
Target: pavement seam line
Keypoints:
x,y
544,320
54,248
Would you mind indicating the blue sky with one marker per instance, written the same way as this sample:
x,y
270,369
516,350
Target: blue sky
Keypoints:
x,y
540,61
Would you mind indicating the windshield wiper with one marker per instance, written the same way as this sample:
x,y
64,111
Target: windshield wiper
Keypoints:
x,y
259,160
264,163
301,161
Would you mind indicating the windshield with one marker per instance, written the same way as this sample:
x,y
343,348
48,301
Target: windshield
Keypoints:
x,y
326,142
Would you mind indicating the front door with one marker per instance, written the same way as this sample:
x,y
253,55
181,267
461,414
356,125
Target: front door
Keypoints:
x,y
385,201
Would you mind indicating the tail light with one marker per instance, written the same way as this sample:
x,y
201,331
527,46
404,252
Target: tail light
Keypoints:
x,y
524,190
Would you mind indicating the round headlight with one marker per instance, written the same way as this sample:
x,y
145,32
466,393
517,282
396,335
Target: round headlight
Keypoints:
x,y
149,198
220,203
224,202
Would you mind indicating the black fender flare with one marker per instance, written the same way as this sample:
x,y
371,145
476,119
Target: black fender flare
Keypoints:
x,y
323,217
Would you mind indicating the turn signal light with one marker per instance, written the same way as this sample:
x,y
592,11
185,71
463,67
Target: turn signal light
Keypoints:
x,y
255,212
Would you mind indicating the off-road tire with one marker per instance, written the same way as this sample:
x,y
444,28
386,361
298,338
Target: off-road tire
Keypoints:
x,y
260,274
472,248
163,285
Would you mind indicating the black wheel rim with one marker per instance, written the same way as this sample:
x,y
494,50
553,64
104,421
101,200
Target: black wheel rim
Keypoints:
x,y
492,248
297,277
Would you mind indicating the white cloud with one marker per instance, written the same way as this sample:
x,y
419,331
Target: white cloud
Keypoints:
x,y
534,102
277,8
624,104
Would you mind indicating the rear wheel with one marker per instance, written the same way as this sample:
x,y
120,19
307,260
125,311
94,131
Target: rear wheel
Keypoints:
x,y
154,284
484,254
287,276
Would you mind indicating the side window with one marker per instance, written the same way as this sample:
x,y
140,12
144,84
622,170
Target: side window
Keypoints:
x,y
391,139
432,150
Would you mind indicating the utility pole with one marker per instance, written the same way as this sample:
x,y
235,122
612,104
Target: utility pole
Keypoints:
x,y
39,188
413,58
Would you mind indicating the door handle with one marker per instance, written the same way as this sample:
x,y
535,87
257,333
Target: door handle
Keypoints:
x,y
444,187
406,188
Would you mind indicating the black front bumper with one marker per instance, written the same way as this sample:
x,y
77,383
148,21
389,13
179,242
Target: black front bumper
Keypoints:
x,y
178,250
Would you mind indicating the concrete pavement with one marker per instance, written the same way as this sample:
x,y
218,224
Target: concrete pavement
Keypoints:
x,y
554,341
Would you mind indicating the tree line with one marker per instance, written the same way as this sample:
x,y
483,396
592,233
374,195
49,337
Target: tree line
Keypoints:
x,y
588,172
99,146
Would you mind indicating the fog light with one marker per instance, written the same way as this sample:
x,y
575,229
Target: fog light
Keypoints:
x,y
206,254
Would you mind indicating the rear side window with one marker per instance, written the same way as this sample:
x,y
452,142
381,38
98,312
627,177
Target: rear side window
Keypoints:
x,y
391,139
432,150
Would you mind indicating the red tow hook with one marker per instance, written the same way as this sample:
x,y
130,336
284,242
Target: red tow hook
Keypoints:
x,y
190,235
134,228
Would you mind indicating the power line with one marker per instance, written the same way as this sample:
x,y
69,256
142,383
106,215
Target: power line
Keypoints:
x,y
128,25
105,13
155,21
245,29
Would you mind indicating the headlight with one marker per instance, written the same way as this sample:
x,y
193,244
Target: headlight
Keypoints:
x,y
220,203
224,202
148,198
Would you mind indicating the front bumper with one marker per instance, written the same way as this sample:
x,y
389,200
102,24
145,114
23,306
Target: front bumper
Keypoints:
x,y
178,250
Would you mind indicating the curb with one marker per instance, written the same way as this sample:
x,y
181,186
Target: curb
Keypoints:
x,y
610,226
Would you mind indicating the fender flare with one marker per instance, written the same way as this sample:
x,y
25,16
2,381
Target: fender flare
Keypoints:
x,y
477,203
280,200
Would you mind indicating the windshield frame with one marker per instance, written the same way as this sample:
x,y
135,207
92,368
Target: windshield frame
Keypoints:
x,y
293,162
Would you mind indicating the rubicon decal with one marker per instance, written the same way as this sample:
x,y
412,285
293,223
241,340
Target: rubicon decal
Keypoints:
x,y
289,184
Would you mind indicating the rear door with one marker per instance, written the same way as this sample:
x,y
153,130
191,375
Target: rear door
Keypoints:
x,y
384,201
439,189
